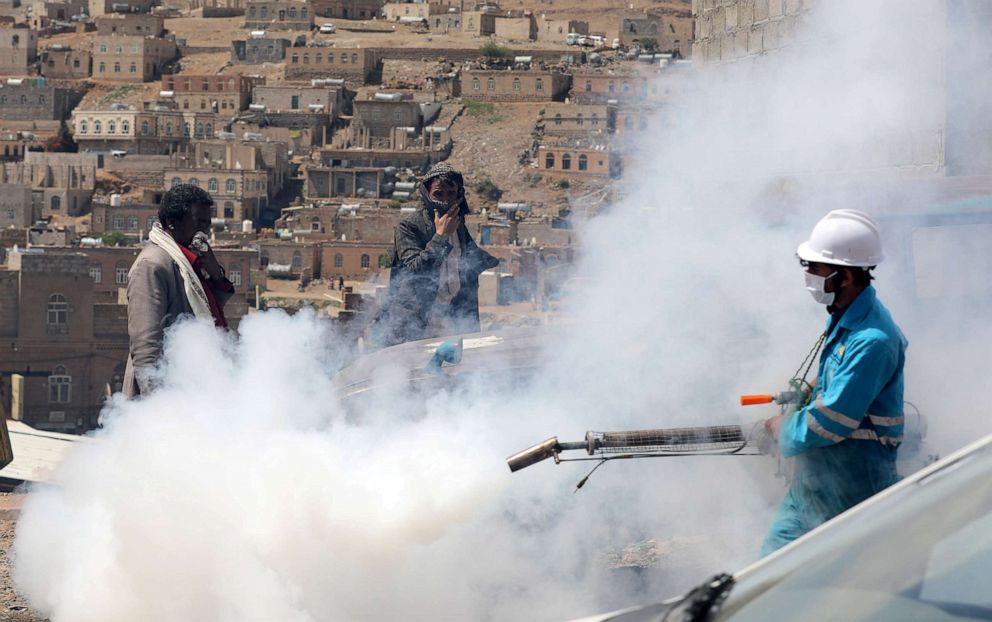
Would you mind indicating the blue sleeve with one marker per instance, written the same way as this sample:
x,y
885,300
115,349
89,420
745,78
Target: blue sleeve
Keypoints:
x,y
868,363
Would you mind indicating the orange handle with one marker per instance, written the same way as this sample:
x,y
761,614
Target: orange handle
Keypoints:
x,y
751,400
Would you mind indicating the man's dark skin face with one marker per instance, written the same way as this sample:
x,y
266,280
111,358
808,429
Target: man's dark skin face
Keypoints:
x,y
198,219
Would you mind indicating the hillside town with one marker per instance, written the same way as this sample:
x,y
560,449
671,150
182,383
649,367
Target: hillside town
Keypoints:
x,y
310,125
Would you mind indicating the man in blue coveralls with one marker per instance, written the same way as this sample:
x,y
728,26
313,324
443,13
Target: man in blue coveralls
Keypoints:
x,y
845,441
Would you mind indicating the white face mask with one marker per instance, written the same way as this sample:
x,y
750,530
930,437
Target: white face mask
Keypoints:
x,y
814,285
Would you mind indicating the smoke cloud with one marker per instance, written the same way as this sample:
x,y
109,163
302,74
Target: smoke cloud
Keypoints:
x,y
242,490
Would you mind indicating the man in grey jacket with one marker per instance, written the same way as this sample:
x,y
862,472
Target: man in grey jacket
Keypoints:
x,y
175,274
434,277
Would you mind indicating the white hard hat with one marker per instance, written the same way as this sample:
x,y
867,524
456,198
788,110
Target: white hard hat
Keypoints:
x,y
844,237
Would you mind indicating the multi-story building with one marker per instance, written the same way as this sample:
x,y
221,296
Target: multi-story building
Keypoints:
x,y
62,183
355,65
259,50
324,182
33,101
240,195
224,94
328,100
555,30
479,23
271,157
348,9
279,15
513,85
671,32
382,112
103,7
61,62
393,11
130,24
578,157
129,58
628,85
18,50
131,219
156,130
578,119
354,260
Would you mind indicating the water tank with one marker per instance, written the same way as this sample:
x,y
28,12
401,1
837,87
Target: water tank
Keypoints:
x,y
407,210
91,242
389,171
408,186
258,107
247,226
115,200
257,34
166,94
401,195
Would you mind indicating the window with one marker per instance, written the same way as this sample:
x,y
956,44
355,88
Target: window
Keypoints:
x,y
41,99
176,181
75,63
304,13
103,67
212,184
264,12
96,127
168,128
193,181
595,119
338,260
125,127
354,58
58,312
150,222
251,11
306,59
296,58
292,12
111,127
134,67
583,162
144,128
210,130
578,119
228,209
297,260
59,386
230,186
538,84
490,84
117,67
82,127
626,87
319,58
96,273
516,84
56,203
294,102
344,57
611,87
549,160
398,116
120,273
117,223
588,86
103,50
566,161
234,275
365,262
132,223
330,57
557,118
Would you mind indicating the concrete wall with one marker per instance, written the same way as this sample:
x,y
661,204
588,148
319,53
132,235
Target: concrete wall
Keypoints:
x,y
728,31
15,206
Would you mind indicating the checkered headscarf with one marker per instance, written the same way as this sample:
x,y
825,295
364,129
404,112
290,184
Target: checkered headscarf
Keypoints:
x,y
445,171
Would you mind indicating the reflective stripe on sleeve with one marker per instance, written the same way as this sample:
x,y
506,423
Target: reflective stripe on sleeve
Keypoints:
x,y
870,435
835,416
815,426
887,421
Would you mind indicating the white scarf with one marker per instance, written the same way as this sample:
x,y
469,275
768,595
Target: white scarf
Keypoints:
x,y
194,290
449,281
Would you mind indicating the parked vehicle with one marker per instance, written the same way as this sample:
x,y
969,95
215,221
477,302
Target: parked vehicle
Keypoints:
x,y
327,29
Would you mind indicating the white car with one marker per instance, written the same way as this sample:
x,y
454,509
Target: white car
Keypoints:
x,y
919,551
327,29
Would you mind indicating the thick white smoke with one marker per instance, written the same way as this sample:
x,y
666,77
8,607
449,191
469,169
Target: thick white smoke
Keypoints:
x,y
241,491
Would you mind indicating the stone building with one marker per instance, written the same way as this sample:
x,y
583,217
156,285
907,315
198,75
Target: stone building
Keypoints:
x,y
259,50
355,65
130,24
301,258
63,183
18,50
64,63
33,101
131,219
578,119
348,9
357,260
563,157
513,85
670,32
625,86
327,100
383,112
555,30
153,131
16,206
445,22
279,15
270,157
478,23
323,182
393,11
239,194
225,95
128,58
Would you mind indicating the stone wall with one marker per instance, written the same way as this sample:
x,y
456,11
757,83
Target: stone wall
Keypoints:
x,y
729,30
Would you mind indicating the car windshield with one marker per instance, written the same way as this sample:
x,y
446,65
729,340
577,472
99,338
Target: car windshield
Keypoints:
x,y
922,554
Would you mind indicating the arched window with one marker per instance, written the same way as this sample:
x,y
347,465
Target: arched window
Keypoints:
x,y
476,86
210,130
125,127
120,273
56,203
176,181
59,386
330,58
354,58
338,260
538,84
583,162
490,84
566,161
516,84
134,67
366,262
193,181
103,67
304,13
549,160
234,275
230,186
297,260
58,312
111,127
117,67
96,273
306,59
82,127
96,127
212,184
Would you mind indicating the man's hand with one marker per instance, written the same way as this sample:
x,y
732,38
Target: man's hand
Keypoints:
x,y
211,266
447,223
772,425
